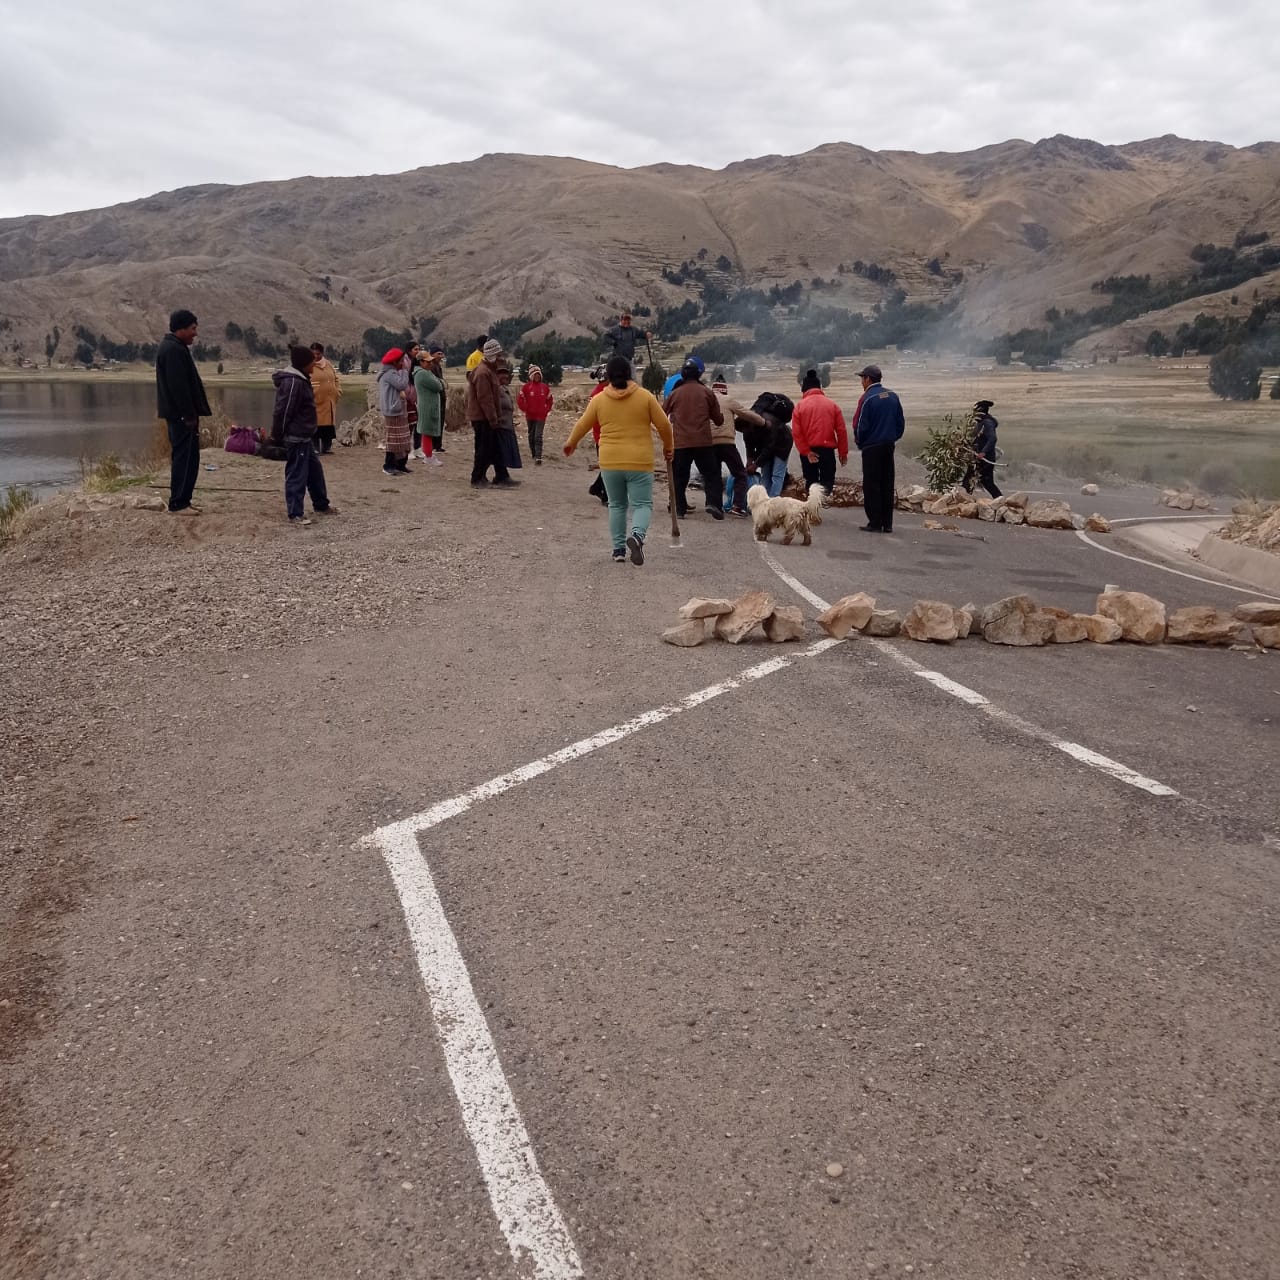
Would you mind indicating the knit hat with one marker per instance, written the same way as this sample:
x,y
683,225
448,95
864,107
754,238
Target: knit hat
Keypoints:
x,y
811,381
535,368
394,356
182,319
492,349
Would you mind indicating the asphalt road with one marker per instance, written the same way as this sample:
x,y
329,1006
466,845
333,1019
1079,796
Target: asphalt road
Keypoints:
x,y
830,916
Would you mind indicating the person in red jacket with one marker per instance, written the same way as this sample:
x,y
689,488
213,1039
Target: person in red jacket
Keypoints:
x,y
819,430
535,402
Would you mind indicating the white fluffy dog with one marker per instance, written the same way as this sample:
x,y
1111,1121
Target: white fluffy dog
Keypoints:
x,y
788,514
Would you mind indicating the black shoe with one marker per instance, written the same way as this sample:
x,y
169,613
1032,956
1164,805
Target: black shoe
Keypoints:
x,y
636,543
870,528
508,483
390,471
715,513
619,556
404,471
482,483
537,462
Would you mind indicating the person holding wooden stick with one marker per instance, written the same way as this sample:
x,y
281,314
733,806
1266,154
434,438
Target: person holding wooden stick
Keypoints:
x,y
983,449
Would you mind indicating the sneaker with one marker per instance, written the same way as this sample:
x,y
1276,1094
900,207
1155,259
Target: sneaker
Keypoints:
x,y
330,510
619,555
537,462
434,461
404,471
636,544
715,513
298,520
390,471
870,528
439,448
742,515
508,483
418,455
188,510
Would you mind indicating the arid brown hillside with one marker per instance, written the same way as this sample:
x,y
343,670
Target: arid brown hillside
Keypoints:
x,y
1029,224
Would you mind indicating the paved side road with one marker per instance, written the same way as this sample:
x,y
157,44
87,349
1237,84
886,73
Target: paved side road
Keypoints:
x,y
831,916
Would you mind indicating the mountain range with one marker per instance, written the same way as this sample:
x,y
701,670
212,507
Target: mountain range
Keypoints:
x,y
1008,230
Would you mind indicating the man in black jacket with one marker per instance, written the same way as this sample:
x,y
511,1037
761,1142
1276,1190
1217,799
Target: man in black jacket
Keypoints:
x,y
181,402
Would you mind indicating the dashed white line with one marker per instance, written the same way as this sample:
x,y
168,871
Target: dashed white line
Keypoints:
x,y
971,697
536,1233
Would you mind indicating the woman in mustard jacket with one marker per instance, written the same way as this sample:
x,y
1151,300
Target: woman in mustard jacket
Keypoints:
x,y
627,415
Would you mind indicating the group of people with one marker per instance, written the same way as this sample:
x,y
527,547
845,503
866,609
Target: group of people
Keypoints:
x,y
697,425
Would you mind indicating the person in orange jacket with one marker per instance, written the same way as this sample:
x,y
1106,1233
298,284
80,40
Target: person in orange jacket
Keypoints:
x,y
819,431
535,401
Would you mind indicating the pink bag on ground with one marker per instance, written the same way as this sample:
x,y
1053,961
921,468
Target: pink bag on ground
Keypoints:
x,y
242,440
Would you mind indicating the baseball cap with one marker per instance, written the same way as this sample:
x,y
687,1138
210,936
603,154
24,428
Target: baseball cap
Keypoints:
x,y
872,371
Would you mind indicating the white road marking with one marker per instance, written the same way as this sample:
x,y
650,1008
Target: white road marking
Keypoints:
x,y
540,1242
527,1214
1252,592
971,697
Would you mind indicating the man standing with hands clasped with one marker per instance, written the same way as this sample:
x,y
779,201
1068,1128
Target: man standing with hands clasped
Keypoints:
x,y
877,427
181,402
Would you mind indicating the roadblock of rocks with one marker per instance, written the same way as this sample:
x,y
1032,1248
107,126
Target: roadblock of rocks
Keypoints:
x,y
1118,616
958,503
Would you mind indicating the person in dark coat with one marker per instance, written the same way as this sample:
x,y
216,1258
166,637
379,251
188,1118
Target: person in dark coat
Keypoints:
x,y
983,448
878,425
294,420
181,402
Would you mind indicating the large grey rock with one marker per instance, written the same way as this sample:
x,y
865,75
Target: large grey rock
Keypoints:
x,y
786,622
1201,624
690,633
699,607
1142,619
1258,611
884,622
1016,620
1100,630
749,611
1049,513
849,613
931,620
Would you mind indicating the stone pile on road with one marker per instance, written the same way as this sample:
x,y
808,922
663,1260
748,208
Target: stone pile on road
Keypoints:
x,y
1183,500
1018,621
703,619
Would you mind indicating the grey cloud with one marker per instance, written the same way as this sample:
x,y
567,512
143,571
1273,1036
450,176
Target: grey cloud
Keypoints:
x,y
146,98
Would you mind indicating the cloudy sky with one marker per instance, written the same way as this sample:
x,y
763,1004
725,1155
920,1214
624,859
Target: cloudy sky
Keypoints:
x,y
118,99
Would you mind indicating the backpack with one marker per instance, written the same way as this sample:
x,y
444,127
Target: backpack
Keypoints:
x,y
775,404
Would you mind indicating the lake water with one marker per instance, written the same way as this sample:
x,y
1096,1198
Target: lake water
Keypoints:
x,y
48,428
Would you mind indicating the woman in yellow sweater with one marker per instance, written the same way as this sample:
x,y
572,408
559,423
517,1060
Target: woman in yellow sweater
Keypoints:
x,y
627,416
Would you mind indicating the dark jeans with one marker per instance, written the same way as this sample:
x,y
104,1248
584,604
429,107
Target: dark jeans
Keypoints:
x,y
729,455
877,485
822,472
486,454
184,441
986,477
709,465
303,474
326,435
535,437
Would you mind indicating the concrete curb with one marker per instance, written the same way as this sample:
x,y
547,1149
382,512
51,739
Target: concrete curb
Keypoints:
x,y
1259,569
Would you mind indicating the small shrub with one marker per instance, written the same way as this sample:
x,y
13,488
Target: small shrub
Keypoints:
x,y
653,377
946,454
16,500
748,372
1235,374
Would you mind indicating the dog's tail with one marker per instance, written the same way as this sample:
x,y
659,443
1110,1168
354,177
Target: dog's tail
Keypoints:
x,y
814,502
